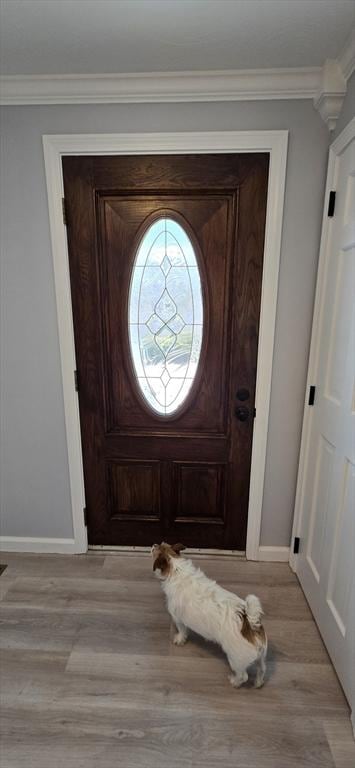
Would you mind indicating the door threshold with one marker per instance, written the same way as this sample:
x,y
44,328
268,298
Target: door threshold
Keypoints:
x,y
132,550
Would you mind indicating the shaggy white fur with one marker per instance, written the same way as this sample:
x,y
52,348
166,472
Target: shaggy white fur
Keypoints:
x,y
196,602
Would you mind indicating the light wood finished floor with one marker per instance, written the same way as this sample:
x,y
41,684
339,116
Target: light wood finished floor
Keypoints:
x,y
90,679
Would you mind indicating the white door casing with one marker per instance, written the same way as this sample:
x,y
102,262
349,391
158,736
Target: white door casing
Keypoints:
x,y
273,142
325,499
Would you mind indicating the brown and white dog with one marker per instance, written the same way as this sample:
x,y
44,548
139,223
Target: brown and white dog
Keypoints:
x,y
196,602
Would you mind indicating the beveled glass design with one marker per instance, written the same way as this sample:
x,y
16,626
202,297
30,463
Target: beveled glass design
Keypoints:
x,y
165,315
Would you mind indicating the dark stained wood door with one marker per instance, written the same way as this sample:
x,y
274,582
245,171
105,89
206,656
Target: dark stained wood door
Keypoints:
x,y
184,475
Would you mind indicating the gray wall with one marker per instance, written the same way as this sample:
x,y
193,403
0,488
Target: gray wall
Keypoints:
x,y
35,481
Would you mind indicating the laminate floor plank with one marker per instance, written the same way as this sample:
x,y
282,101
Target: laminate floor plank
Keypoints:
x,y
29,565
278,602
135,738
80,594
127,681
223,569
84,594
91,679
294,641
26,628
25,673
5,583
188,682
341,741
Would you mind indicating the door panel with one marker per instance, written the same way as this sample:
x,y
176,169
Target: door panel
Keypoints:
x,y
199,490
182,475
326,562
134,489
207,218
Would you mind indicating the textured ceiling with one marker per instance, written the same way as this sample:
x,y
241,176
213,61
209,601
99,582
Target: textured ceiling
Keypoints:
x,y
97,36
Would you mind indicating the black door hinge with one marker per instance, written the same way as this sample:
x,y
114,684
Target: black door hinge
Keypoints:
x,y
331,203
85,517
296,545
76,381
64,210
312,394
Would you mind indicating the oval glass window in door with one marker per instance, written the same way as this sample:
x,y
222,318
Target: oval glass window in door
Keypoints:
x,y
165,315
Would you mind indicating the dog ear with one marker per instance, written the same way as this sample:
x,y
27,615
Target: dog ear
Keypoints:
x,y
178,548
161,562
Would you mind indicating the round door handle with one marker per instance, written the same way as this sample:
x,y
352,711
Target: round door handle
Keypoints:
x,y
243,394
242,413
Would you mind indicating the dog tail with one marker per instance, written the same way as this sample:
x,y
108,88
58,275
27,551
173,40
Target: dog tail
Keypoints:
x,y
254,611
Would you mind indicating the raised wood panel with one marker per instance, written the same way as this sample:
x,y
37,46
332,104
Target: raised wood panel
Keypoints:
x,y
134,489
320,502
338,351
171,172
341,563
199,490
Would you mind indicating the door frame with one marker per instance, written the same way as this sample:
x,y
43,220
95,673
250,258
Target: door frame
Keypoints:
x,y
335,149
273,142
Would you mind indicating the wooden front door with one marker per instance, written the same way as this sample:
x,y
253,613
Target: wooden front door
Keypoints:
x,y
166,257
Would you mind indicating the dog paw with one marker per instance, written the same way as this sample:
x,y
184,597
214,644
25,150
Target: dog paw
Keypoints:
x,y
179,638
237,680
259,682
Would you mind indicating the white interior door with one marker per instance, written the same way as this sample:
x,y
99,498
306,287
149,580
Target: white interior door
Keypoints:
x,y
325,503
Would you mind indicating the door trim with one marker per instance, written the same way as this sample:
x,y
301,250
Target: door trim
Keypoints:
x,y
273,142
335,149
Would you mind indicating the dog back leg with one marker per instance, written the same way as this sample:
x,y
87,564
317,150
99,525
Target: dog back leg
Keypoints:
x,y
260,669
239,675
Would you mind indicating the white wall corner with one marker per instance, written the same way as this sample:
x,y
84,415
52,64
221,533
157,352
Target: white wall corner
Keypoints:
x,y
330,95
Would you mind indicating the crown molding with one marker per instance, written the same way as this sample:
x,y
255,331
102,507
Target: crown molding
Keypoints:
x,y
346,58
335,74
226,85
325,85
330,95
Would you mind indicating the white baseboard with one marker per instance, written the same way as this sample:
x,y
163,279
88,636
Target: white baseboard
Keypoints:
x,y
68,547
274,554
40,545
